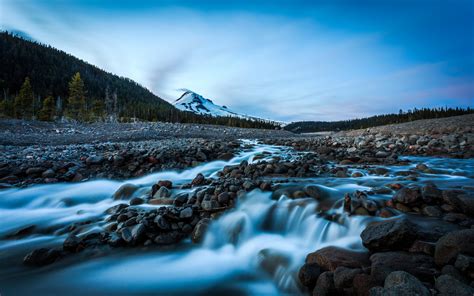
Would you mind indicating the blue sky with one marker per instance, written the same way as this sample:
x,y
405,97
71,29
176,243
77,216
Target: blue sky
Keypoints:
x,y
284,60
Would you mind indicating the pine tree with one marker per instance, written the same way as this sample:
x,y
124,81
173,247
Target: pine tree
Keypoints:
x,y
47,112
97,109
3,108
76,104
24,101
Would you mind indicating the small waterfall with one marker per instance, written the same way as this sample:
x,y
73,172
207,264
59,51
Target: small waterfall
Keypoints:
x,y
277,235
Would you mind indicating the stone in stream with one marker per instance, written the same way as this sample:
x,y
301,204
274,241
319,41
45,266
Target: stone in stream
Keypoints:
x,y
41,257
401,283
163,192
464,263
198,180
394,234
186,213
162,223
125,191
200,230
133,234
329,258
308,274
270,260
344,276
136,201
449,286
316,192
325,284
72,243
420,265
165,183
209,205
408,195
450,245
168,238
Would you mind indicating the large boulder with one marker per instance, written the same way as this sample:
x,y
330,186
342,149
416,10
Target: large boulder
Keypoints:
x,y
420,265
330,258
395,234
449,286
450,245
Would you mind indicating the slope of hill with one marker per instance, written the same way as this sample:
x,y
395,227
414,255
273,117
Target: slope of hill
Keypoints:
x,y
50,70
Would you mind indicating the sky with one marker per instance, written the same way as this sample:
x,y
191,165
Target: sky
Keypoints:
x,y
281,60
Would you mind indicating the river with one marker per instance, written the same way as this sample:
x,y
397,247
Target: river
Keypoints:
x,y
254,249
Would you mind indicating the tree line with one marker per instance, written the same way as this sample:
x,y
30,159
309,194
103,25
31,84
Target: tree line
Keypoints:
x,y
361,123
41,82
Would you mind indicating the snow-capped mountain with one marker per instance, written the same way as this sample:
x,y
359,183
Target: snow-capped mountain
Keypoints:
x,y
193,102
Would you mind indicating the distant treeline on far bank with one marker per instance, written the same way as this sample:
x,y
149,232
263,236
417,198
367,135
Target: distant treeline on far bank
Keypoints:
x,y
361,123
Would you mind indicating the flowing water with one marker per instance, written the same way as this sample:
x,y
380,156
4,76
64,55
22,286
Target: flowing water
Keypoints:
x,y
254,249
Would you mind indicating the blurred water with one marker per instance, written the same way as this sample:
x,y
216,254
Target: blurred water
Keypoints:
x,y
254,249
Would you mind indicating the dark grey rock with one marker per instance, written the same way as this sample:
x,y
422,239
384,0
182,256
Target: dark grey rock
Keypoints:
x,y
449,286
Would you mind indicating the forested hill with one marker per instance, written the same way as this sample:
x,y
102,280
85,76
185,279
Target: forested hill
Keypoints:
x,y
36,76
360,123
50,70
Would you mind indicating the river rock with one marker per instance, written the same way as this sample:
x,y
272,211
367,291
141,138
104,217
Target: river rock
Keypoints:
x,y
165,183
72,243
198,180
186,213
162,223
95,160
168,238
325,285
344,276
34,171
449,286
200,230
401,283
209,205
133,234
125,191
394,234
270,260
420,265
316,192
408,195
464,263
136,201
41,257
450,245
163,192
462,202
329,258
308,274
430,193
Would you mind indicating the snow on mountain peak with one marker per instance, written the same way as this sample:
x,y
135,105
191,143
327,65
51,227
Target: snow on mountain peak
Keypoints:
x,y
193,102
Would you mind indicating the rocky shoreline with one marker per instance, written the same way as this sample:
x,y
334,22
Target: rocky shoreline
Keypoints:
x,y
421,244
